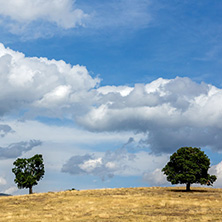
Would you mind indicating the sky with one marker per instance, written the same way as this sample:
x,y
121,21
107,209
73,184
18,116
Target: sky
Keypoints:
x,y
106,91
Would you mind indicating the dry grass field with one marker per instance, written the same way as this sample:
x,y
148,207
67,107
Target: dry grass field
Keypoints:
x,y
130,204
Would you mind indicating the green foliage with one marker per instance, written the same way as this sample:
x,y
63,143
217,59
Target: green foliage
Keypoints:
x,y
28,171
187,166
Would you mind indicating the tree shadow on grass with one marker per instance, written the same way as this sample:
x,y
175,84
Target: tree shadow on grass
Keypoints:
x,y
191,191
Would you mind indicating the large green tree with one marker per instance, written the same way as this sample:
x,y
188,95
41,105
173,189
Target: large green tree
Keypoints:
x,y
189,165
28,171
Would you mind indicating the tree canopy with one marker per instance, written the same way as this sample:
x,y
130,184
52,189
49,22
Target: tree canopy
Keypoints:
x,y
189,165
28,171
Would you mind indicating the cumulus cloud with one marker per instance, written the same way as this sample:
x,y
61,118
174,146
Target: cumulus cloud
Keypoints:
x,y
39,83
127,160
162,102
17,149
173,113
104,167
62,13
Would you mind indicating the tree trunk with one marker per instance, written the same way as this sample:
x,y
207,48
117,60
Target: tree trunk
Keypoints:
x,y
30,190
188,187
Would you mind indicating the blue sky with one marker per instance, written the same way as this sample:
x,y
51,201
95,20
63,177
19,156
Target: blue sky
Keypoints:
x,y
107,90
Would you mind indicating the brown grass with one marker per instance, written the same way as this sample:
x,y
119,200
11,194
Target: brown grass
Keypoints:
x,y
129,204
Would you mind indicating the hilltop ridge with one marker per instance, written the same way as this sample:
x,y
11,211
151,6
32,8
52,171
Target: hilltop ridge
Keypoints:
x,y
119,204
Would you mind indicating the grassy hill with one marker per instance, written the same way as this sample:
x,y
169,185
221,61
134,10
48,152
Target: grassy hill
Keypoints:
x,y
125,204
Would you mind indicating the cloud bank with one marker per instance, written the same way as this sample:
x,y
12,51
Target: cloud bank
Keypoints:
x,y
173,113
170,112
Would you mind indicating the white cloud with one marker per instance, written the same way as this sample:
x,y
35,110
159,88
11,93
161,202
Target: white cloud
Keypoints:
x,y
217,170
125,14
63,13
11,190
155,178
173,113
2,181
122,90
46,18
39,83
55,97
61,134
112,163
127,160
63,141
90,164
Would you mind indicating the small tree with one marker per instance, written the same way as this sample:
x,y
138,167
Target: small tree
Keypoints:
x,y
28,171
187,166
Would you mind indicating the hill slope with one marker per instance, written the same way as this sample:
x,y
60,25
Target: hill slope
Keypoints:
x,y
129,204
